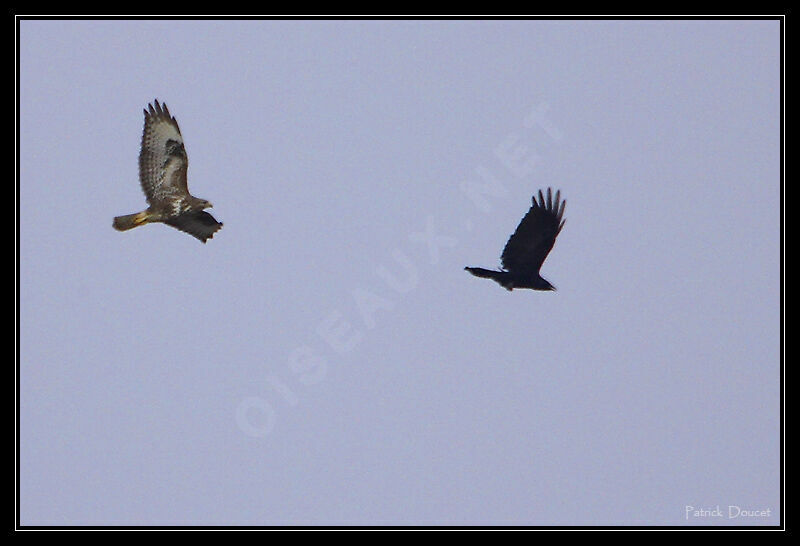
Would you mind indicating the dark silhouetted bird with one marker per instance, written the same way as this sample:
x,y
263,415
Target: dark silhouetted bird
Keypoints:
x,y
529,246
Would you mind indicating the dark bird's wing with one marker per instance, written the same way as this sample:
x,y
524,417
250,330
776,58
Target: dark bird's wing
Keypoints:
x,y
197,223
162,159
528,247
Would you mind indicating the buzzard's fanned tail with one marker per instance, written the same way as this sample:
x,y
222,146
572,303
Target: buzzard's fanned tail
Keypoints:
x,y
129,221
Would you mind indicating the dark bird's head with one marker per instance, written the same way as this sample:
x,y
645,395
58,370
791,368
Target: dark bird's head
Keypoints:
x,y
203,204
535,283
545,285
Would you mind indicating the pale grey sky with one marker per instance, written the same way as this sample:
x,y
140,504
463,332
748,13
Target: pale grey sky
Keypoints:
x,y
325,359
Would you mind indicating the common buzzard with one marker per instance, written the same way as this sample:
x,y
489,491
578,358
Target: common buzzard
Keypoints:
x,y
162,174
528,247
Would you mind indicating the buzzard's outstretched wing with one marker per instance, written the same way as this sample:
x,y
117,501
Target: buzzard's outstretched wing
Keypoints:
x,y
162,159
528,247
197,223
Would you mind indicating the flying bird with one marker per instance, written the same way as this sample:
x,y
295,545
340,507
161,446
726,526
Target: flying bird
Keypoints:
x,y
529,246
162,174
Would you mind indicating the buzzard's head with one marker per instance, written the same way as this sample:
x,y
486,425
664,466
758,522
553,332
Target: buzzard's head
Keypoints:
x,y
205,204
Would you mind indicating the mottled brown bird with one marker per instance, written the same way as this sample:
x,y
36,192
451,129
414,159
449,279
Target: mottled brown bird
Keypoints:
x,y
527,249
162,174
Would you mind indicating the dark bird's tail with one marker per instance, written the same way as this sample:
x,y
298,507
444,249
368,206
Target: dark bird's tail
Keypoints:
x,y
483,273
501,277
130,221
